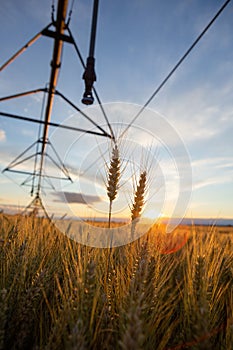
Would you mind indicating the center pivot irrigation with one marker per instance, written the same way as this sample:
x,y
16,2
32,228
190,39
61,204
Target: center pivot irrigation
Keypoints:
x,y
61,34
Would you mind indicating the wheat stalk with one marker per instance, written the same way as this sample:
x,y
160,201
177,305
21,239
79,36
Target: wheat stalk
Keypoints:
x,y
112,188
3,316
133,336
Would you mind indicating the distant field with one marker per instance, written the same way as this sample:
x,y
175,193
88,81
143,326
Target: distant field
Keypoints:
x,y
224,229
160,292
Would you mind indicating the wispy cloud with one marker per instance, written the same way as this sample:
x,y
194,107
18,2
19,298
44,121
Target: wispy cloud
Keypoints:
x,y
75,198
212,171
215,180
11,208
2,135
219,162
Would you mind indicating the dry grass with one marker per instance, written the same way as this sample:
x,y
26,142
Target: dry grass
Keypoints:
x,y
54,294
105,224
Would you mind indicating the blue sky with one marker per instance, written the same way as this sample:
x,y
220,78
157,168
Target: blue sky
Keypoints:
x,y
138,43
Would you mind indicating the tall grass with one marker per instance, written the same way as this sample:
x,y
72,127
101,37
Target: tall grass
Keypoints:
x,y
54,295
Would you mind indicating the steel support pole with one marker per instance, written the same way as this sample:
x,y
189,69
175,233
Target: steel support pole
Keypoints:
x,y
55,66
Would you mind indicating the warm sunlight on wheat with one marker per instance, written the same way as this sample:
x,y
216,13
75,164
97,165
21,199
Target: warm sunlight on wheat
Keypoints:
x,y
161,292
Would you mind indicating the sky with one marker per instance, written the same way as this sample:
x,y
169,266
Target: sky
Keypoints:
x,y
184,138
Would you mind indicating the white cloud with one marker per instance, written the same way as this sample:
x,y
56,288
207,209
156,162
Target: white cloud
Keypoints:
x,y
28,132
212,171
200,114
211,182
2,135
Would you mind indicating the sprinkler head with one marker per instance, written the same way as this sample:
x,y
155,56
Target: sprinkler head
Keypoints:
x,y
87,98
89,77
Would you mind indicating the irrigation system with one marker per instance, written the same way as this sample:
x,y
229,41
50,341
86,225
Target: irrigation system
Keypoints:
x,y
59,31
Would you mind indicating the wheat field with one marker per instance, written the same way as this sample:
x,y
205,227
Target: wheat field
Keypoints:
x,y
158,293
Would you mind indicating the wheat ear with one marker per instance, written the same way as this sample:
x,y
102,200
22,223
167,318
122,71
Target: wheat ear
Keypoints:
x,y
139,197
113,179
138,200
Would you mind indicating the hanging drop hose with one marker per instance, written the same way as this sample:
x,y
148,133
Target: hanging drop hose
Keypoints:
x,y
89,75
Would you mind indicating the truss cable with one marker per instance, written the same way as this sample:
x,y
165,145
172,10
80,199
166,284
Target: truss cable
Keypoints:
x,y
12,164
81,112
70,13
52,12
176,66
67,127
29,43
104,114
62,165
76,48
21,94
94,90
12,179
37,145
